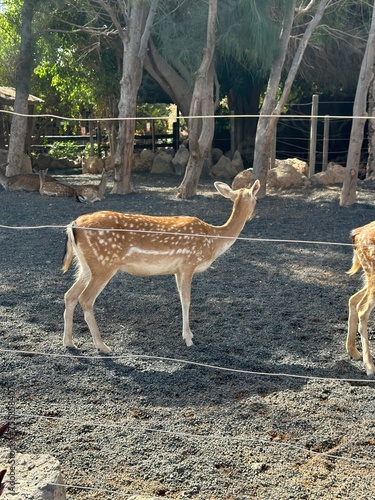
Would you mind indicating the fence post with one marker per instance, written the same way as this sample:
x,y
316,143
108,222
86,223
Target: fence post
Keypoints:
x,y
231,126
313,134
325,143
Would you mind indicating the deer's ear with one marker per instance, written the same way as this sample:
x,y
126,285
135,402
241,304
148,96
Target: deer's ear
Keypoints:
x,y
255,187
224,190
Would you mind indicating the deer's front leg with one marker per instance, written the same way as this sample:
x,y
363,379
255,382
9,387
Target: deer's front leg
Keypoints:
x,y
183,281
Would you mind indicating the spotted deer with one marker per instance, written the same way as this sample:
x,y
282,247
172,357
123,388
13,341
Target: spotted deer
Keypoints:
x,y
104,242
89,193
21,182
53,188
362,303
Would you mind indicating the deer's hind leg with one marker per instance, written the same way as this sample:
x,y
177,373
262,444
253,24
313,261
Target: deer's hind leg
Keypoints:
x,y
71,300
353,323
94,287
364,309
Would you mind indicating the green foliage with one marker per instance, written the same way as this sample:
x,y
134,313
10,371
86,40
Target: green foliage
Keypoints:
x,y
61,149
153,111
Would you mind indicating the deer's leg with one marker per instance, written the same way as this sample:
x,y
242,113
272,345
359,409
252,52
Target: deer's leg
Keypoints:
x,y
183,281
71,300
364,311
353,324
87,299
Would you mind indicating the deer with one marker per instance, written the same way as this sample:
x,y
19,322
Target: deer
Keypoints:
x,y
21,182
102,243
90,193
53,188
362,303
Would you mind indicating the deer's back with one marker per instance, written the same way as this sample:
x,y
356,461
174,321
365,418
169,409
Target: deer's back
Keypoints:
x,y
142,244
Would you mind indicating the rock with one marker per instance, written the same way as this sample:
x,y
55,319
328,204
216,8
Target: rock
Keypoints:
x,y
43,162
109,163
180,160
335,174
285,176
237,162
301,166
224,169
36,476
242,179
162,164
216,154
147,156
91,165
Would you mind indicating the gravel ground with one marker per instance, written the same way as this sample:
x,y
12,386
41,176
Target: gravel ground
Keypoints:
x,y
266,404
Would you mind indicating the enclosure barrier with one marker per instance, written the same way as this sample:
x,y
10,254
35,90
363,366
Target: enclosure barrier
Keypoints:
x,y
192,436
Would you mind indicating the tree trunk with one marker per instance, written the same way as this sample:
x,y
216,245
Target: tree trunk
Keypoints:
x,y
177,87
370,167
201,130
134,33
271,108
245,102
366,75
23,72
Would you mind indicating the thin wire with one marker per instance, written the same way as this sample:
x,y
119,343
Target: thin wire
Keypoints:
x,y
108,119
169,233
183,361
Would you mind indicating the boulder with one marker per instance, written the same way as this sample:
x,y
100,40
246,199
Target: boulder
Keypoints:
x,y
285,176
216,154
36,477
224,169
299,165
335,174
237,162
242,179
91,165
147,158
109,163
162,164
180,160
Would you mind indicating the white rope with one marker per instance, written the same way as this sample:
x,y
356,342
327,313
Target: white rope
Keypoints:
x,y
139,118
132,357
170,233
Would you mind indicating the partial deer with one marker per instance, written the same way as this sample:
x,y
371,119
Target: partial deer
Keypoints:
x,y
90,193
21,182
106,242
53,188
362,303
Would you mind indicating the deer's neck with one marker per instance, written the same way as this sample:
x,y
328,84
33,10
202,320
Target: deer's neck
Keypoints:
x,y
102,186
235,223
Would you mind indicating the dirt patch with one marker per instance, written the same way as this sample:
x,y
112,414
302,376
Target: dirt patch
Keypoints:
x,y
206,422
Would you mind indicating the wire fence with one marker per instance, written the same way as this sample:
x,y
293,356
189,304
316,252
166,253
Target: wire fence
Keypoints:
x,y
284,145
258,440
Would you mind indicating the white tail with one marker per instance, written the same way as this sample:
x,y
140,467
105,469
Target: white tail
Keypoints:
x,y
90,193
142,245
20,182
53,188
362,303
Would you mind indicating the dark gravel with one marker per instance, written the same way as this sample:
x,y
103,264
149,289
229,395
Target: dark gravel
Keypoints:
x,y
124,424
